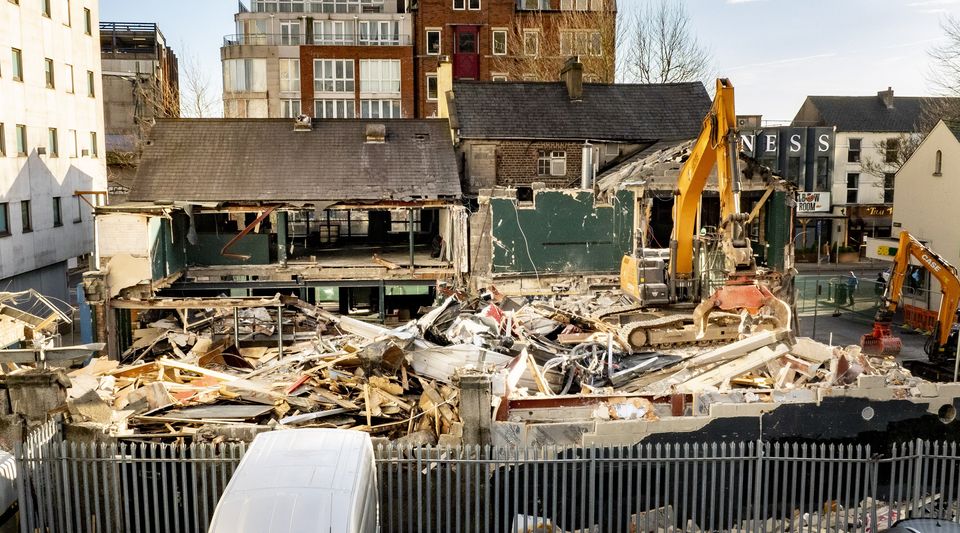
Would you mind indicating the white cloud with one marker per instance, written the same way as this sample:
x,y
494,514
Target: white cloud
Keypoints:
x,y
785,61
743,1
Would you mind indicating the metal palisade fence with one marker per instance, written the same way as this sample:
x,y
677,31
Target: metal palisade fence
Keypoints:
x,y
754,486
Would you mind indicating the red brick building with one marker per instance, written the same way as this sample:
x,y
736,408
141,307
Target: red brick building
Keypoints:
x,y
509,40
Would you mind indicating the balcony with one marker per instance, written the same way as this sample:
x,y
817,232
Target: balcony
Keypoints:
x,y
276,39
314,6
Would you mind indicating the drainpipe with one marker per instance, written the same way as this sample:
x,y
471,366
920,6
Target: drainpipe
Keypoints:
x,y
282,238
586,167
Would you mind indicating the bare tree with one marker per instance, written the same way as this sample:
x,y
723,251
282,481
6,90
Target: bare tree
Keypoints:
x,y
662,47
538,45
198,97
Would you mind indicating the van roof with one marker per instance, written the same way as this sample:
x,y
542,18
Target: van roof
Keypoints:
x,y
297,478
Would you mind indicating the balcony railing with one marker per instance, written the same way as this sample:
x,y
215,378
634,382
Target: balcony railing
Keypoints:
x,y
275,39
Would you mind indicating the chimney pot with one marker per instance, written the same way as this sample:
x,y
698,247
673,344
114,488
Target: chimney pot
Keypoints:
x,y
886,97
572,76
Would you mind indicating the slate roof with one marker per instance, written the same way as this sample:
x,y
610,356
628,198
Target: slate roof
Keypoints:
x,y
607,112
954,127
869,113
237,160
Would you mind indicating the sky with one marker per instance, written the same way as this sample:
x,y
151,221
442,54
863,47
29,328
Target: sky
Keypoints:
x,y
776,52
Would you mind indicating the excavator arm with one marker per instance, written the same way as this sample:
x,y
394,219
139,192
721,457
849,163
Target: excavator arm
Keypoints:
x,y
945,273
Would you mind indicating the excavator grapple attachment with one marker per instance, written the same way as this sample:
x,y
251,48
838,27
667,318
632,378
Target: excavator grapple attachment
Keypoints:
x,y
752,300
881,340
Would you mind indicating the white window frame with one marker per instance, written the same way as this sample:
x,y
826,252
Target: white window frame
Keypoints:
x,y
340,108
493,41
554,161
473,5
536,41
611,150
581,42
393,104
855,189
290,38
498,76
290,107
71,87
289,79
380,84
321,76
439,33
461,3
428,77
74,145
338,33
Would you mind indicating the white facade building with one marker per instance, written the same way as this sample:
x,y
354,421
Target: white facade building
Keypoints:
x,y
51,140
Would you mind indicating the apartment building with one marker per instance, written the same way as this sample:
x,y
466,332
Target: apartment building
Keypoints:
x,y
51,140
323,58
140,84
511,40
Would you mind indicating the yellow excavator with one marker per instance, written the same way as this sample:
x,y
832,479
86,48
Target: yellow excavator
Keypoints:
x,y
942,342
653,280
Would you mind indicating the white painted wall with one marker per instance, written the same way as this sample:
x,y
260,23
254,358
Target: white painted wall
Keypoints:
x,y
41,177
871,186
926,205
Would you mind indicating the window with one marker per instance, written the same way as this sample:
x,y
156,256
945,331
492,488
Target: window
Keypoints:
x,y
53,143
333,75
379,32
334,109
69,21
552,163
245,75
432,87
290,33
466,43
823,174
57,212
68,75
17,66
380,109
289,75
380,75
580,42
853,186
612,150
4,219
48,73
72,137
499,42
87,23
21,135
91,86
891,150
45,8
531,42
3,140
938,164
577,5
888,180
433,42
331,32
497,76
473,4
853,151
94,146
290,108
459,4
26,218
79,218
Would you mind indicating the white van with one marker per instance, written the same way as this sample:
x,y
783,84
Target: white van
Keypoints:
x,y
300,480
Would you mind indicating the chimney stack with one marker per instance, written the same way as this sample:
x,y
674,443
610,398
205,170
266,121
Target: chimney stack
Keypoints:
x,y
302,123
886,97
572,76
375,133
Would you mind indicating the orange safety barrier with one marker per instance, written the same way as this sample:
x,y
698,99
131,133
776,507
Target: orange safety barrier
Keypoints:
x,y
919,318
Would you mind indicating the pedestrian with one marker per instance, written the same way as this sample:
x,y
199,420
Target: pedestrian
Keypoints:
x,y
881,285
825,257
852,284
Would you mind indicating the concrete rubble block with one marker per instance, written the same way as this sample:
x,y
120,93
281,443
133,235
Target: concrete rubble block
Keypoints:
x,y
811,350
11,431
508,433
88,432
34,394
557,434
654,520
90,408
871,382
234,433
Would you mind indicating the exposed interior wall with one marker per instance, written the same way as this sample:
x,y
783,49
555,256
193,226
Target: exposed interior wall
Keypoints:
x,y
560,231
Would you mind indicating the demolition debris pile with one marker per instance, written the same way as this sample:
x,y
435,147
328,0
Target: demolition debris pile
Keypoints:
x,y
205,373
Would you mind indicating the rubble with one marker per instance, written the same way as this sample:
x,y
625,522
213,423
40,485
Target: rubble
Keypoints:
x,y
288,363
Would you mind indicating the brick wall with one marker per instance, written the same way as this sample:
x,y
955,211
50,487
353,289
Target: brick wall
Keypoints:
x,y
517,163
403,53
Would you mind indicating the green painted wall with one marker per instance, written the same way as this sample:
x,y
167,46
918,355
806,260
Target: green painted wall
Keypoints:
x,y
777,230
207,249
167,254
564,232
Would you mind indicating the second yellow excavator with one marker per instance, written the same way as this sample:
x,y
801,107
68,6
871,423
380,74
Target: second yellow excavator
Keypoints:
x,y
744,294
943,340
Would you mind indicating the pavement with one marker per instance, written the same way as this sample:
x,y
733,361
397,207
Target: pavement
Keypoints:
x,y
848,327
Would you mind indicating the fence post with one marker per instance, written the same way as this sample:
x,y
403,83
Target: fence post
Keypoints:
x,y
874,465
917,476
757,487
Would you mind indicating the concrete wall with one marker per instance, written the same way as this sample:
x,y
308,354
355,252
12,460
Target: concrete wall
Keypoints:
x,y
560,232
37,177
